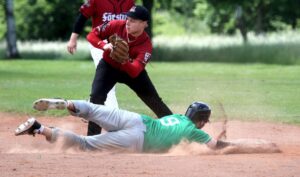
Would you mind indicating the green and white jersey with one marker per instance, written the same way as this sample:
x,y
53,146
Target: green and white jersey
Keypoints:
x,y
162,134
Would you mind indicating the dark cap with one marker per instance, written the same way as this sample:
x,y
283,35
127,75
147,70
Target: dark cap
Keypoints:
x,y
139,12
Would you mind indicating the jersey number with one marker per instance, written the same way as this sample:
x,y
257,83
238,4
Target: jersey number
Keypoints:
x,y
169,121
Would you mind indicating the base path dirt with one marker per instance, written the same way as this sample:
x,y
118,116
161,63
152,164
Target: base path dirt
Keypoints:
x,y
33,156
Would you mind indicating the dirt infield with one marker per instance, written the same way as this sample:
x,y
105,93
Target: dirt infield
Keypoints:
x,y
27,156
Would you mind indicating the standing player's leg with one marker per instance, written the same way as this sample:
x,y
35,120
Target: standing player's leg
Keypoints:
x,y
111,99
144,88
96,54
103,81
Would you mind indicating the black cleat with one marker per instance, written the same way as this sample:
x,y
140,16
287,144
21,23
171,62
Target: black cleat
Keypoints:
x,y
29,127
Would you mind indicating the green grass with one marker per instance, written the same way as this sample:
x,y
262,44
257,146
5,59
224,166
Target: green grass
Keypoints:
x,y
253,92
286,54
272,48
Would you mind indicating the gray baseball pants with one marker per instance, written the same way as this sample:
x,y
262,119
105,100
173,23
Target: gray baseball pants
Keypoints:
x,y
125,129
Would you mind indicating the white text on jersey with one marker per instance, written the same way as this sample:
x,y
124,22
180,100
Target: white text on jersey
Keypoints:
x,y
110,16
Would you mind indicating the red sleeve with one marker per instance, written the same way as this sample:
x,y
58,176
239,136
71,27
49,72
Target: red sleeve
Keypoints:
x,y
88,8
95,40
137,66
133,69
98,34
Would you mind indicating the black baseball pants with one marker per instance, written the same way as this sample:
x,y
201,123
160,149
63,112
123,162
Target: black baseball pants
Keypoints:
x,y
106,77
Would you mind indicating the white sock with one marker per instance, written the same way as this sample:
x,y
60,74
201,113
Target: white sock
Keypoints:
x,y
40,130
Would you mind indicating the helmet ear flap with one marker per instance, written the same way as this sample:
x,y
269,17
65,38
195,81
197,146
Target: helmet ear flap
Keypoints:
x,y
189,112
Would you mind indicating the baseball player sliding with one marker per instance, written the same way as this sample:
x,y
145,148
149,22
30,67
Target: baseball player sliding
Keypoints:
x,y
100,11
126,130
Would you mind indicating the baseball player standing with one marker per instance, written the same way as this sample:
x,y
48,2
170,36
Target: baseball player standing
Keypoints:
x,y
100,11
126,130
130,72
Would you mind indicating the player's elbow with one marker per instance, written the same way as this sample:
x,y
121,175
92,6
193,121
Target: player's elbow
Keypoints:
x,y
134,74
90,37
133,69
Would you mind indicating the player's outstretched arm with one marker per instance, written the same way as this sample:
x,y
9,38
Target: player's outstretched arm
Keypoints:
x,y
217,144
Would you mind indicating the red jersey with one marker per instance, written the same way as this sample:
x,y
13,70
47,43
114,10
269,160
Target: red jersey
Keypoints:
x,y
140,48
105,10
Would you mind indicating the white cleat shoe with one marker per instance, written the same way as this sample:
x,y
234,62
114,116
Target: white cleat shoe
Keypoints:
x,y
49,103
29,127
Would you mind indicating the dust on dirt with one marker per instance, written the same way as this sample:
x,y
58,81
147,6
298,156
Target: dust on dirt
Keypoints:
x,y
33,156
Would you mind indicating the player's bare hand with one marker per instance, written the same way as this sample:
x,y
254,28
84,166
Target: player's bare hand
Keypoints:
x,y
108,46
222,135
72,45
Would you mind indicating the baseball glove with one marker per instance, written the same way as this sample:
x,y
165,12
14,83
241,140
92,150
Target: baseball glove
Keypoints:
x,y
120,49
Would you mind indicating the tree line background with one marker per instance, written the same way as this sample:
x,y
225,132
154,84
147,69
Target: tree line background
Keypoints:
x,y
53,19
